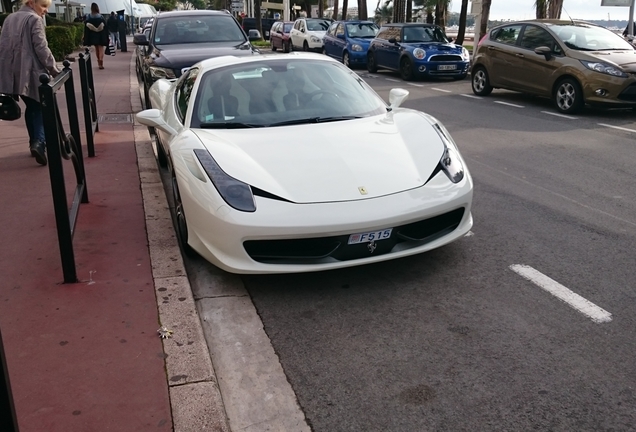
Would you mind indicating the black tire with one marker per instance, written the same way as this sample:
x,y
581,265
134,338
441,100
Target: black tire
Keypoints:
x,y
146,96
305,46
272,44
162,158
286,47
480,82
406,69
371,66
345,59
568,96
324,51
180,220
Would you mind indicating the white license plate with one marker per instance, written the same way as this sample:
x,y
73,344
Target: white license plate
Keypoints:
x,y
446,67
370,236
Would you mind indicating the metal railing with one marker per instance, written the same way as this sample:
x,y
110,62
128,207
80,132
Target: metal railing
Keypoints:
x,y
88,100
60,144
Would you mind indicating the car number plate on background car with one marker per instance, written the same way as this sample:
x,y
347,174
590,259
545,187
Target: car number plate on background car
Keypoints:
x,y
370,236
446,67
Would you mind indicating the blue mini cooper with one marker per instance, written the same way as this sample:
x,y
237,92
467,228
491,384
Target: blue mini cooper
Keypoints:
x,y
417,50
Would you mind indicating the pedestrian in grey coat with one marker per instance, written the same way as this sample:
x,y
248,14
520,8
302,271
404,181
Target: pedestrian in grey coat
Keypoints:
x,y
24,55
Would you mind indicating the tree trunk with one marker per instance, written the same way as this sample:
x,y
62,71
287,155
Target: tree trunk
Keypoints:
x,y
430,19
409,11
345,6
554,10
462,23
334,16
363,14
485,13
541,9
398,11
257,15
321,9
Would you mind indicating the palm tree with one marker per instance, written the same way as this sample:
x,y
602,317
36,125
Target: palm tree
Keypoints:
x,y
345,6
541,8
363,14
485,13
462,23
554,9
334,16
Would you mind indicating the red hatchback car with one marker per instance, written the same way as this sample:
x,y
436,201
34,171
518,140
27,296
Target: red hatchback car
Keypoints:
x,y
279,35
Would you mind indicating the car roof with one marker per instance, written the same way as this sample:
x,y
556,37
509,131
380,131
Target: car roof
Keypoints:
x,y
192,12
355,21
409,25
213,63
548,21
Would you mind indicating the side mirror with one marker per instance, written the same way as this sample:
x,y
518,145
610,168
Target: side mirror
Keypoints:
x,y
302,30
393,40
152,118
140,39
254,34
340,36
544,51
396,97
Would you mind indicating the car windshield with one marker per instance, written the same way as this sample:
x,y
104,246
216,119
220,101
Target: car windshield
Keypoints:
x,y
362,30
197,29
423,34
283,91
318,24
287,27
585,37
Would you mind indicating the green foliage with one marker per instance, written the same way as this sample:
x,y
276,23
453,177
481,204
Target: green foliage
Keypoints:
x,y
166,5
260,43
61,40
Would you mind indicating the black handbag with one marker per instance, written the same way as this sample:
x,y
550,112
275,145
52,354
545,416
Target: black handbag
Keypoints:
x,y
9,108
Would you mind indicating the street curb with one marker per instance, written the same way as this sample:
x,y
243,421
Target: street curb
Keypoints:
x,y
195,398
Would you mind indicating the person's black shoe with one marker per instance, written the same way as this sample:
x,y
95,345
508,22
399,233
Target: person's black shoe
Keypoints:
x,y
37,151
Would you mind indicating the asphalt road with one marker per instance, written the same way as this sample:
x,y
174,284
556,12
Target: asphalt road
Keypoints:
x,y
456,339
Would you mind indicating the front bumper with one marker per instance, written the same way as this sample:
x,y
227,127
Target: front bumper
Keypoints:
x,y
441,69
358,57
610,91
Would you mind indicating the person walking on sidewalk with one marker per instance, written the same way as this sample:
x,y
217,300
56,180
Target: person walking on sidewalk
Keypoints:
x,y
113,29
24,55
95,33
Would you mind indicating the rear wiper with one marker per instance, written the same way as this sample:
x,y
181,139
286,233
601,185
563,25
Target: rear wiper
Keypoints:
x,y
228,125
314,120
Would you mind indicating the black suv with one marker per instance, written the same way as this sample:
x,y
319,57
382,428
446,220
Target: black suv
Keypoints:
x,y
179,39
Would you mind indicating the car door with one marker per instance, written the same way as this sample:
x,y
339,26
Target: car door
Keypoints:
x,y
274,37
393,49
329,40
176,108
381,44
294,34
339,41
503,55
534,72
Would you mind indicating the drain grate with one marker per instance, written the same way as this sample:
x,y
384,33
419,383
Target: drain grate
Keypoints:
x,y
114,118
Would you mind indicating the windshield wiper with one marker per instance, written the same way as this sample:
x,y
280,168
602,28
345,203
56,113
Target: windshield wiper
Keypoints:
x,y
309,120
228,125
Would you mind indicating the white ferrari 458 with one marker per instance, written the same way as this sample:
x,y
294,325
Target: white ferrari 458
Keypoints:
x,y
293,163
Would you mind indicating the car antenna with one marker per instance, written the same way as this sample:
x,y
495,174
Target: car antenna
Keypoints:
x,y
566,12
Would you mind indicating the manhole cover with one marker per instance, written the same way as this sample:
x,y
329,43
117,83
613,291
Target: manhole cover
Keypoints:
x,y
114,118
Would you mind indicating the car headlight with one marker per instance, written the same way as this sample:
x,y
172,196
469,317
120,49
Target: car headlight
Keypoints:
x,y
419,53
236,193
157,72
604,68
465,54
450,162
315,39
356,47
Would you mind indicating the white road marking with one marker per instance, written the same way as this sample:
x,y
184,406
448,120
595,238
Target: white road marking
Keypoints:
x,y
560,115
586,307
372,76
617,127
415,85
471,96
392,80
441,90
509,104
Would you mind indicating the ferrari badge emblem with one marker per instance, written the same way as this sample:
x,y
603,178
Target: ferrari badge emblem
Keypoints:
x,y
372,246
363,190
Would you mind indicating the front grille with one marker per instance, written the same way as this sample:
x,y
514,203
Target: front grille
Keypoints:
x,y
445,58
335,248
629,94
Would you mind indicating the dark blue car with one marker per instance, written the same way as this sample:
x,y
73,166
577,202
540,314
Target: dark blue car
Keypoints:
x,y
417,50
348,41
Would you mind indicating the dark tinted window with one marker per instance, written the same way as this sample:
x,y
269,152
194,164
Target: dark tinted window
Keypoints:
x,y
197,29
387,33
534,37
362,30
507,34
423,34
184,91
316,24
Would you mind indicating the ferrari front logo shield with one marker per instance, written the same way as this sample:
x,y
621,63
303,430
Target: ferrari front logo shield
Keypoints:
x,y
372,246
363,190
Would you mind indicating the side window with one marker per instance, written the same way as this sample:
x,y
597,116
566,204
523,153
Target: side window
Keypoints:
x,y
332,29
340,29
297,25
184,92
382,33
508,34
534,37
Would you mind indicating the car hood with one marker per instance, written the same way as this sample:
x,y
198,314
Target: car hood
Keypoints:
x,y
330,162
316,33
437,46
626,59
363,42
185,55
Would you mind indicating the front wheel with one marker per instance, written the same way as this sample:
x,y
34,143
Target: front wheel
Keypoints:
x,y
406,69
286,47
273,47
568,96
371,66
305,46
182,225
480,82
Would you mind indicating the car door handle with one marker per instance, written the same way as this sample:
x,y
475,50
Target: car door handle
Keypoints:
x,y
520,55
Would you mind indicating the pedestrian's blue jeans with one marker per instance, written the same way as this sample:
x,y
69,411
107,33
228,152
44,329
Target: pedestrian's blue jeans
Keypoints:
x,y
114,38
33,119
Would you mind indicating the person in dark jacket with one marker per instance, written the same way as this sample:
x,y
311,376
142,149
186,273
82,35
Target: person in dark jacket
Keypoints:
x,y
96,34
24,55
113,29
